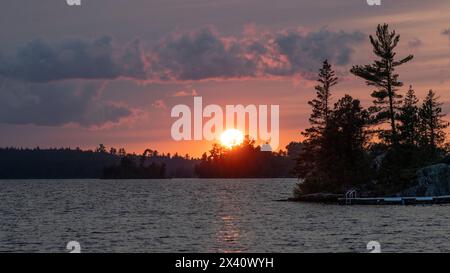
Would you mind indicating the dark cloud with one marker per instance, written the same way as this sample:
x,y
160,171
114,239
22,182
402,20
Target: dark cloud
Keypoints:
x,y
306,52
58,104
204,54
197,55
38,86
200,55
40,61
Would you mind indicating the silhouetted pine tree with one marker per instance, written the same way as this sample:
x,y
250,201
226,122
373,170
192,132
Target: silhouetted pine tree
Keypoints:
x,y
318,120
347,125
409,119
341,161
101,148
431,123
344,142
321,104
381,74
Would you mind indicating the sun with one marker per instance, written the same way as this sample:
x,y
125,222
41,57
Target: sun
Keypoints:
x,y
231,137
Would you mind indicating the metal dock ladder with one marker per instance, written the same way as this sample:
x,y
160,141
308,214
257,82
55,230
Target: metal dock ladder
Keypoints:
x,y
349,195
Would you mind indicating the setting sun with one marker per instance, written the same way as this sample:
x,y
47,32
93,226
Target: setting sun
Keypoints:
x,y
231,137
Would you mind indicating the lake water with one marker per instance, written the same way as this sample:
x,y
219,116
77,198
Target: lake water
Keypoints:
x,y
207,215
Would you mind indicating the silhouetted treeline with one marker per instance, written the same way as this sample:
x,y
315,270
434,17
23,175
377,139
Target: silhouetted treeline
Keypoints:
x,y
64,163
243,161
247,161
376,150
151,165
53,163
128,169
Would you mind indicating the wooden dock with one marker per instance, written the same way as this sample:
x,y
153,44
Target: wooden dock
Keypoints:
x,y
396,200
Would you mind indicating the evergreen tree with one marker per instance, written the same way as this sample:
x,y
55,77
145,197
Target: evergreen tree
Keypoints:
x,y
381,75
344,143
122,152
216,152
431,123
321,104
409,119
341,161
347,125
101,148
318,120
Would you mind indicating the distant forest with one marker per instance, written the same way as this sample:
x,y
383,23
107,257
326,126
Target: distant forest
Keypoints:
x,y
17,163
243,161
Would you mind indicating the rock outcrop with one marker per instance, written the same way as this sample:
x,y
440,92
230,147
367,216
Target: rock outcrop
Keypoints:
x,y
432,180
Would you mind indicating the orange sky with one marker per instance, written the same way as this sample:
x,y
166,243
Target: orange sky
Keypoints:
x,y
228,52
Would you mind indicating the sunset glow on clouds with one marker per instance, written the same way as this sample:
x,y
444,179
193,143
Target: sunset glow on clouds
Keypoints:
x,y
94,75
201,54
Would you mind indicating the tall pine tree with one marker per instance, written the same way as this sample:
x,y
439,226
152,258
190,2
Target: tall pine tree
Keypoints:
x,y
381,75
340,162
409,119
321,104
432,125
344,144
318,120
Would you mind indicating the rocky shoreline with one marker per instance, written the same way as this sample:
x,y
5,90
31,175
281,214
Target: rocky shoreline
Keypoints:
x,y
322,197
433,180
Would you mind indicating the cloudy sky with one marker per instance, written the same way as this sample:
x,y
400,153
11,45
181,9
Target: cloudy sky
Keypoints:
x,y
111,70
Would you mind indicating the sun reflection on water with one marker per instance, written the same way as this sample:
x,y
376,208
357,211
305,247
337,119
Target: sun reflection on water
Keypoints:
x,y
229,235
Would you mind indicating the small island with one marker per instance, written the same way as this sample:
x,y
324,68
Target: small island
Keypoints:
x,y
395,148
